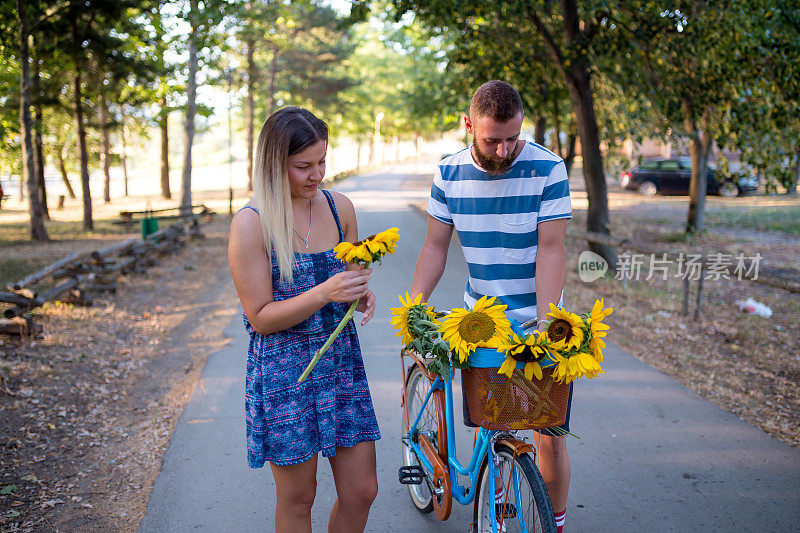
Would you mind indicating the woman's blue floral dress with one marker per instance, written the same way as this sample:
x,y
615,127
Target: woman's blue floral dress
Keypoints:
x,y
289,422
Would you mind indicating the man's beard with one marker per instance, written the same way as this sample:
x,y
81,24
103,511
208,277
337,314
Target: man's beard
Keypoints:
x,y
492,165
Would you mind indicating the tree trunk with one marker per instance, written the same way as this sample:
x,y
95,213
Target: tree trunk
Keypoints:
x,y
358,153
249,110
570,158
578,80
83,158
124,156
371,148
106,151
38,161
698,150
597,216
38,231
63,168
163,123
191,110
273,71
792,189
541,125
557,129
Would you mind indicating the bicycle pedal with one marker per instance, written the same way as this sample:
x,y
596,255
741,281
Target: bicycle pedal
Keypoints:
x,y
411,475
509,512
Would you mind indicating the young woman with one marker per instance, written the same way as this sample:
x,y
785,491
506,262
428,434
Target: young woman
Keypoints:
x,y
294,292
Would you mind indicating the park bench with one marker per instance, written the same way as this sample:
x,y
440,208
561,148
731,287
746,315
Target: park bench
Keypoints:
x,y
129,218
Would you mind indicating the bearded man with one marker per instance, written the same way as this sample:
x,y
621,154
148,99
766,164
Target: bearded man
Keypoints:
x,y
509,202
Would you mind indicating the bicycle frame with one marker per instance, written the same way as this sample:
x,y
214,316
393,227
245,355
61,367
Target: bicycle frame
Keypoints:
x,y
460,493
483,444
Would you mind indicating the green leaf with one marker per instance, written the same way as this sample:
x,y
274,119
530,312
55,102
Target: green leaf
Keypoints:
x,y
8,489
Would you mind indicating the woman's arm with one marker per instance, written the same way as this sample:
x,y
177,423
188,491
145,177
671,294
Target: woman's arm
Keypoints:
x,y
252,276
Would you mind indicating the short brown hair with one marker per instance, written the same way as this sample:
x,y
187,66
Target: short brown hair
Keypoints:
x,y
497,100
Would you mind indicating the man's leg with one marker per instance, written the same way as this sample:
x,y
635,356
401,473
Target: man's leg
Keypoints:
x,y
555,468
554,464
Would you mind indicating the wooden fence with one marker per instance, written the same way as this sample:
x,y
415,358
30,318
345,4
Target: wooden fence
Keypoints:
x,y
79,277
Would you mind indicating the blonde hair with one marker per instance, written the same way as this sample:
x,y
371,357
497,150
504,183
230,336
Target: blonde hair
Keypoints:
x,y
287,132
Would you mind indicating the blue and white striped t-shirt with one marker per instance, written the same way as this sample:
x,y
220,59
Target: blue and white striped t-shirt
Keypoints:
x,y
496,218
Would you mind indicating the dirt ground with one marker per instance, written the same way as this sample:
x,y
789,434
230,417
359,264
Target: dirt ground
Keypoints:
x,y
86,411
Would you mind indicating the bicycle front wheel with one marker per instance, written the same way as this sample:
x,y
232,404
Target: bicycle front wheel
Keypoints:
x,y
417,387
520,499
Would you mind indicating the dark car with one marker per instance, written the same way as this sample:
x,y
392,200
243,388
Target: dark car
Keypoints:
x,y
672,176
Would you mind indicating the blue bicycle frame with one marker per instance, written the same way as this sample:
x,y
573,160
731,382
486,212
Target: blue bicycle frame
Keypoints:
x,y
483,441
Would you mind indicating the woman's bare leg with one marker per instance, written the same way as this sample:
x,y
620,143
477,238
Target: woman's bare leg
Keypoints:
x,y
355,475
295,488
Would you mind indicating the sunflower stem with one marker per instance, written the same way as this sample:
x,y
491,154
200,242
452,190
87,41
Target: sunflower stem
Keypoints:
x,y
342,323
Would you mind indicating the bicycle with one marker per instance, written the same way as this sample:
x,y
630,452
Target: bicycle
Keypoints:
x,y
431,468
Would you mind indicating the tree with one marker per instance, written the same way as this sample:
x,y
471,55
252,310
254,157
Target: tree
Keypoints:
x,y
566,33
26,17
301,47
764,120
203,21
683,59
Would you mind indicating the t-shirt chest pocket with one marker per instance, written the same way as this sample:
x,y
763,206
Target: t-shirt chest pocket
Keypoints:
x,y
518,236
518,219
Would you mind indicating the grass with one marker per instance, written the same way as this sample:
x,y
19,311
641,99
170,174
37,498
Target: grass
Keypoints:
x,y
19,232
785,219
12,270
21,256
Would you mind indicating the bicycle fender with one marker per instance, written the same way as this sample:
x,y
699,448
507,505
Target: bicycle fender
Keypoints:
x,y
519,447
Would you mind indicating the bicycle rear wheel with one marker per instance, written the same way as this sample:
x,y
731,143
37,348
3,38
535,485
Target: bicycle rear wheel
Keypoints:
x,y
417,387
527,503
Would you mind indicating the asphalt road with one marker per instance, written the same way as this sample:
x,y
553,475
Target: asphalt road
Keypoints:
x,y
652,455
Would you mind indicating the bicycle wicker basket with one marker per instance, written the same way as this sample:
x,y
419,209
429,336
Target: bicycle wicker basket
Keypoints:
x,y
501,403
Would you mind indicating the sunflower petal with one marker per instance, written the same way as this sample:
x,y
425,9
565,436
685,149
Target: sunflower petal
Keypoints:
x,y
507,368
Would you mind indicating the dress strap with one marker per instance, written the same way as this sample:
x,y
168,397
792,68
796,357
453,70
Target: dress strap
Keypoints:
x,y
248,207
332,205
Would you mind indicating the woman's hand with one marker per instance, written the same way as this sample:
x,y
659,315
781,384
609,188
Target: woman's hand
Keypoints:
x,y
367,306
347,286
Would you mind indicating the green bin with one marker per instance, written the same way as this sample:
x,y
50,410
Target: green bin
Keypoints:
x,y
149,226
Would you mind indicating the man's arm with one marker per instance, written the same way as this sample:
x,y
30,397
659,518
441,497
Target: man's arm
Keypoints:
x,y
551,267
432,258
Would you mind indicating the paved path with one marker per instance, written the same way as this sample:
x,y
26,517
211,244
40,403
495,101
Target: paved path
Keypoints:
x,y
653,456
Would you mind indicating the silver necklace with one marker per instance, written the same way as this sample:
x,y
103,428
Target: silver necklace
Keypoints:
x,y
308,233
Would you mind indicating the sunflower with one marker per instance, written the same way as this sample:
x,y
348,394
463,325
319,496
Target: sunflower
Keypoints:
x,y
568,369
404,316
371,249
526,349
565,329
485,325
597,329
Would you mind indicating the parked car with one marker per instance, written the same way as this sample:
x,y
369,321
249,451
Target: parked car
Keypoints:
x,y
672,176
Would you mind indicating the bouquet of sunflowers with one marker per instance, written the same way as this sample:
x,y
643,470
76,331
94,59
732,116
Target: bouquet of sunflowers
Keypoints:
x,y
569,344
